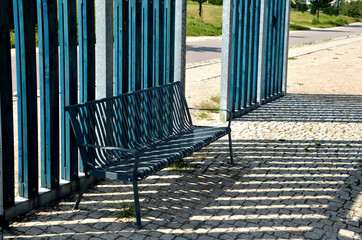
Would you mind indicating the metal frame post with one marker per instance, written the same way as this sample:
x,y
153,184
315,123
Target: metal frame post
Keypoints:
x,y
180,42
104,48
228,7
286,47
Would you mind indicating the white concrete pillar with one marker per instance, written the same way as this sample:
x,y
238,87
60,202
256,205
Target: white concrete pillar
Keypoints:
x,y
227,38
104,48
180,41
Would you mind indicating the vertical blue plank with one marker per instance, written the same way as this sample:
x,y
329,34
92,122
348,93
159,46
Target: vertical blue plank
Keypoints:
x,y
282,42
149,59
250,53
256,50
245,60
240,52
86,22
234,53
167,41
156,41
68,86
138,45
24,23
161,66
6,111
49,92
172,54
117,46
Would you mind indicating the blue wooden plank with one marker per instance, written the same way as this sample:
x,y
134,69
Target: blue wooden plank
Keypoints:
x,y
234,53
138,45
27,97
6,111
245,59
156,41
256,50
168,27
250,52
281,54
49,92
172,54
161,79
240,52
117,48
68,86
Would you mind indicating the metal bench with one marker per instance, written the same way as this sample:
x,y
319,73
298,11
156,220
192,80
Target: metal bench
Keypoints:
x,y
134,135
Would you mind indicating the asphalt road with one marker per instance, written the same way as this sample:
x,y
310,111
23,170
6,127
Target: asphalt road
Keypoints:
x,y
211,49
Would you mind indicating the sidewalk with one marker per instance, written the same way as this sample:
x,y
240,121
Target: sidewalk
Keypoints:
x,y
298,171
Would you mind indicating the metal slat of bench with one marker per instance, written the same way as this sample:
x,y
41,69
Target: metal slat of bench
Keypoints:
x,y
132,136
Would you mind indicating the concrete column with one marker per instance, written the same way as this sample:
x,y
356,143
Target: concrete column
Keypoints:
x,y
227,38
261,52
286,48
180,41
104,48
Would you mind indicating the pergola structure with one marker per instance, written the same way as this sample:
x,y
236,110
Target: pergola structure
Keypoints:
x,y
142,45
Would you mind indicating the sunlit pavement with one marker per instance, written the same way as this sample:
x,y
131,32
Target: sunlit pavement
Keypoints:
x,y
298,176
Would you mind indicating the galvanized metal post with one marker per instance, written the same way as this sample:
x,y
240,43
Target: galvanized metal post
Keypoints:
x,y
228,7
286,47
261,54
180,41
104,48
24,25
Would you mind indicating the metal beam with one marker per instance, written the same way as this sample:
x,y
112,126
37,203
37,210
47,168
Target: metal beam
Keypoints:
x,y
104,48
228,8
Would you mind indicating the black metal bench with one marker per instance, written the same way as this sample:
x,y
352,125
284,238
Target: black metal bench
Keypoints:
x,y
133,135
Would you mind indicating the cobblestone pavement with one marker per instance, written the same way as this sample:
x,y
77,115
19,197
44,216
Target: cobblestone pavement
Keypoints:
x,y
298,176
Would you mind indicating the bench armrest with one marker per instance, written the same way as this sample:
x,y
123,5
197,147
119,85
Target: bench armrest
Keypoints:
x,y
215,109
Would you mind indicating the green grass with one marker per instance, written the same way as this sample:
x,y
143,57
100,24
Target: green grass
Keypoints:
x,y
181,165
318,144
297,27
292,58
210,23
125,210
325,21
197,27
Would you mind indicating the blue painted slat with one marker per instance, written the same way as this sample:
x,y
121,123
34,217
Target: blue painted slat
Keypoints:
x,y
161,79
6,110
245,59
234,53
250,53
172,40
156,41
240,52
256,50
86,28
49,92
27,97
281,54
68,86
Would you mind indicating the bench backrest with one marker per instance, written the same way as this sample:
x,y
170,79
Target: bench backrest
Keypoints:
x,y
132,120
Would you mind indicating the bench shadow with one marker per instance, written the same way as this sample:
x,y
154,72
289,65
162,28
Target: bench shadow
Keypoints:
x,y
277,188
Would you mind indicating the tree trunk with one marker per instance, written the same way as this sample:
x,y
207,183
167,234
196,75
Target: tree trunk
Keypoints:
x,y
200,8
318,15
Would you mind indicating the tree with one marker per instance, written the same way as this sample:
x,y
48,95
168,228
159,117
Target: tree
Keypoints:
x,y
200,5
317,5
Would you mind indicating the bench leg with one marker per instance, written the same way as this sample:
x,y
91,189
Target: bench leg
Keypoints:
x,y
82,189
137,204
231,150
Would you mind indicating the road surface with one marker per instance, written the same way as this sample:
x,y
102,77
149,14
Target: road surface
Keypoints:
x,y
197,51
211,49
